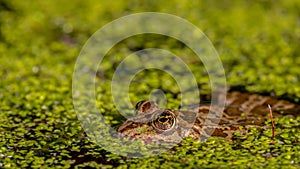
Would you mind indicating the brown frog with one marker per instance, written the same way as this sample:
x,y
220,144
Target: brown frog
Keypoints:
x,y
241,109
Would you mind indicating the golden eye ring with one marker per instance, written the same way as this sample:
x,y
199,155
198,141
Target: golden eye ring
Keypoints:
x,y
163,121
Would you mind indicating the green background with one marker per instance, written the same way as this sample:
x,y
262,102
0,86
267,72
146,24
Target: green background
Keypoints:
x,y
258,43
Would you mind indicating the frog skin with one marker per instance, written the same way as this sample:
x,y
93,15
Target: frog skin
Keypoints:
x,y
242,110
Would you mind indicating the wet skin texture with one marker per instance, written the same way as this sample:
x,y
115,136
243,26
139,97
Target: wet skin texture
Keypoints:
x,y
241,109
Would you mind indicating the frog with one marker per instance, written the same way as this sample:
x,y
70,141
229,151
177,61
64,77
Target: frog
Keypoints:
x,y
241,112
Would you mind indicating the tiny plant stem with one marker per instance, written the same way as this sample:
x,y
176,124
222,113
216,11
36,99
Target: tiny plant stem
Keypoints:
x,y
272,120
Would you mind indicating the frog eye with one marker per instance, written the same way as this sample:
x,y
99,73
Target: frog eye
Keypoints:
x,y
146,106
164,121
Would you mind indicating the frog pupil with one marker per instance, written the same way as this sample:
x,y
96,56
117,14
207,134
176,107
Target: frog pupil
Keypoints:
x,y
163,119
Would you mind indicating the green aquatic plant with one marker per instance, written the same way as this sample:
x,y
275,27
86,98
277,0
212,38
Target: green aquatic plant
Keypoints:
x,y
257,41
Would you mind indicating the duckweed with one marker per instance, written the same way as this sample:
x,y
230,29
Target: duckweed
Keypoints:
x,y
258,42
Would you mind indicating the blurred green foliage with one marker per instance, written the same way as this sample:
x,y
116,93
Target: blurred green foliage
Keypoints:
x,y
258,42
